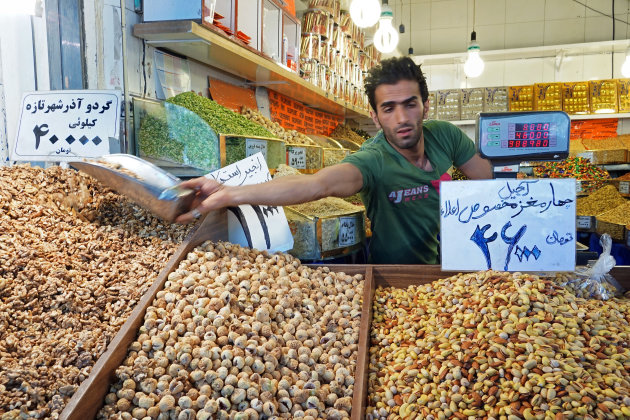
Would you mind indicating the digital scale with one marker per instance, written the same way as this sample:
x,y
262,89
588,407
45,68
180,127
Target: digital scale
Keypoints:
x,y
508,138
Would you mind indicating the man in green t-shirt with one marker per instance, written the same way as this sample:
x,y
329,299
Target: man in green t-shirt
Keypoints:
x,y
397,172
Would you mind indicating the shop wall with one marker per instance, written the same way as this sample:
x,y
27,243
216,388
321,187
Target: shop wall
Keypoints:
x,y
23,68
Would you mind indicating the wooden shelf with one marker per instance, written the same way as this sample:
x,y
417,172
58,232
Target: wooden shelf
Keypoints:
x,y
192,40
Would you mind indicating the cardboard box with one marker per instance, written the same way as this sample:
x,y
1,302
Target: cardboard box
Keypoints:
x,y
603,96
449,104
521,98
604,151
623,94
495,99
548,97
576,98
472,103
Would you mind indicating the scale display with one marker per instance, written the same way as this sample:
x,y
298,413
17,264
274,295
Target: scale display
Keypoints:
x,y
514,136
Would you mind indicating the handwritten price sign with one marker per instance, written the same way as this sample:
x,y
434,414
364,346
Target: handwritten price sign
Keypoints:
x,y
66,124
260,227
509,225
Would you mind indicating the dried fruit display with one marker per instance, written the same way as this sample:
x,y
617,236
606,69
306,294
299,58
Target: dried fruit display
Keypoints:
x,y
604,199
240,334
494,345
74,260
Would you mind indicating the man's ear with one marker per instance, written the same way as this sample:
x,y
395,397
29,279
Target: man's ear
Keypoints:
x,y
375,119
426,106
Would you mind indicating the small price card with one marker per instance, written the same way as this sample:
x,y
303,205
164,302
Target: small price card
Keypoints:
x,y
253,146
624,187
296,157
508,225
347,231
583,222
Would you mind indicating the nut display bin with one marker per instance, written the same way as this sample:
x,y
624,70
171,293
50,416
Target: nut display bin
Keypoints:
x,y
319,238
521,98
235,148
306,159
89,397
172,136
334,152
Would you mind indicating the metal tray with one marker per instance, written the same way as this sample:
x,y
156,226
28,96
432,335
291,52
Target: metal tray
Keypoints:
x,y
146,184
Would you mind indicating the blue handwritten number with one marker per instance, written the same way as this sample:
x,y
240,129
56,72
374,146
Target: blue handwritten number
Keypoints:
x,y
511,241
478,237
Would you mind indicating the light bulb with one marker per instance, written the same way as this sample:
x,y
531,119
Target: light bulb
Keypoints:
x,y
386,37
474,65
625,67
365,13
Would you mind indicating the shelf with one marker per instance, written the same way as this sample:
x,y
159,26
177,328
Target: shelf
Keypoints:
x,y
192,40
573,117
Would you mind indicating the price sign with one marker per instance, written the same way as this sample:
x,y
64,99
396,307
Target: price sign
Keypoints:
x,y
624,187
586,155
260,227
66,124
296,157
584,222
347,231
508,225
253,146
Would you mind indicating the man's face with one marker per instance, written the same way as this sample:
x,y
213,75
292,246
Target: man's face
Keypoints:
x,y
399,112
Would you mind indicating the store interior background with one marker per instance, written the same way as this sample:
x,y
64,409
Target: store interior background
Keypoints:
x,y
522,43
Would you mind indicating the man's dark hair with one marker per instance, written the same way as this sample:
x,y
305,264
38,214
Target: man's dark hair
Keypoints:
x,y
390,72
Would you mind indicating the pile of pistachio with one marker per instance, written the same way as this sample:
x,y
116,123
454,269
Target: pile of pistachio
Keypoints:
x,y
494,345
240,334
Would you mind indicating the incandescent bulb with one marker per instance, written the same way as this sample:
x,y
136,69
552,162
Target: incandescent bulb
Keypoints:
x,y
386,37
365,13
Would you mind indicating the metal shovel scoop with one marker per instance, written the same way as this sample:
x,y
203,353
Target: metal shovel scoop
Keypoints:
x,y
144,183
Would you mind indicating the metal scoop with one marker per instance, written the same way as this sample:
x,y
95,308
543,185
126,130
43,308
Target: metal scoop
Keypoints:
x,y
144,183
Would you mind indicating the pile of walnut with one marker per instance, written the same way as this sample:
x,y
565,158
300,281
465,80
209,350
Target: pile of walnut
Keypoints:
x,y
243,335
74,260
494,345
289,136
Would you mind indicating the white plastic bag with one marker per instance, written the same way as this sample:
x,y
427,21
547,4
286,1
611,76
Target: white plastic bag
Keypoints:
x,y
593,281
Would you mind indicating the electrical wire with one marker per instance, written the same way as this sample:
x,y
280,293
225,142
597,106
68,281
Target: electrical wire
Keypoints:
x,y
600,12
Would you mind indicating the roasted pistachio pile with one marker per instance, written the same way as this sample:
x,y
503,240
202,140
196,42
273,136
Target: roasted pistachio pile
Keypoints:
x,y
240,334
74,260
493,345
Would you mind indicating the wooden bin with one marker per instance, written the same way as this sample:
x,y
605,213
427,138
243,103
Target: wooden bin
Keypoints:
x,y
89,397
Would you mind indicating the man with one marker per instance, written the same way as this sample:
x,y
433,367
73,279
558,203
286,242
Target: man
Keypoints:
x,y
397,172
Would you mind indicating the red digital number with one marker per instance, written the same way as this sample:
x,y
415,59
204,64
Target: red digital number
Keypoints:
x,y
546,126
524,144
545,135
538,134
539,126
538,143
511,143
545,143
517,135
517,143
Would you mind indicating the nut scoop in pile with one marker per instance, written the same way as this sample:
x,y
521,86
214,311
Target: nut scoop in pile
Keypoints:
x,y
75,258
494,345
239,334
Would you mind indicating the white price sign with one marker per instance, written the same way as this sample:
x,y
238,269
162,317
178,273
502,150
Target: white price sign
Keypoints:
x,y
584,222
508,225
66,124
253,146
260,227
347,231
296,157
624,187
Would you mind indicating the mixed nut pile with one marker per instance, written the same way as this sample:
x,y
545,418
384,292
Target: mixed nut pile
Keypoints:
x,y
494,345
240,334
74,260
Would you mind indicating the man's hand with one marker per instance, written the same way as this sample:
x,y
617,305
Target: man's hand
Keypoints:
x,y
209,195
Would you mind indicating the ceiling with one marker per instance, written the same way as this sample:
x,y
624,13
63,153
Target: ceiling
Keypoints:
x,y
444,26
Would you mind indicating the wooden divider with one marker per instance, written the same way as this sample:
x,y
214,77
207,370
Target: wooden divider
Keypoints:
x,y
89,397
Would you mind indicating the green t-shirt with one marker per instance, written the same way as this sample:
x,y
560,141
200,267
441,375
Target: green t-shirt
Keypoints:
x,y
401,200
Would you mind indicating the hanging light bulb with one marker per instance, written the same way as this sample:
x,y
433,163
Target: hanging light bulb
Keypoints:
x,y
625,67
365,13
386,37
474,65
